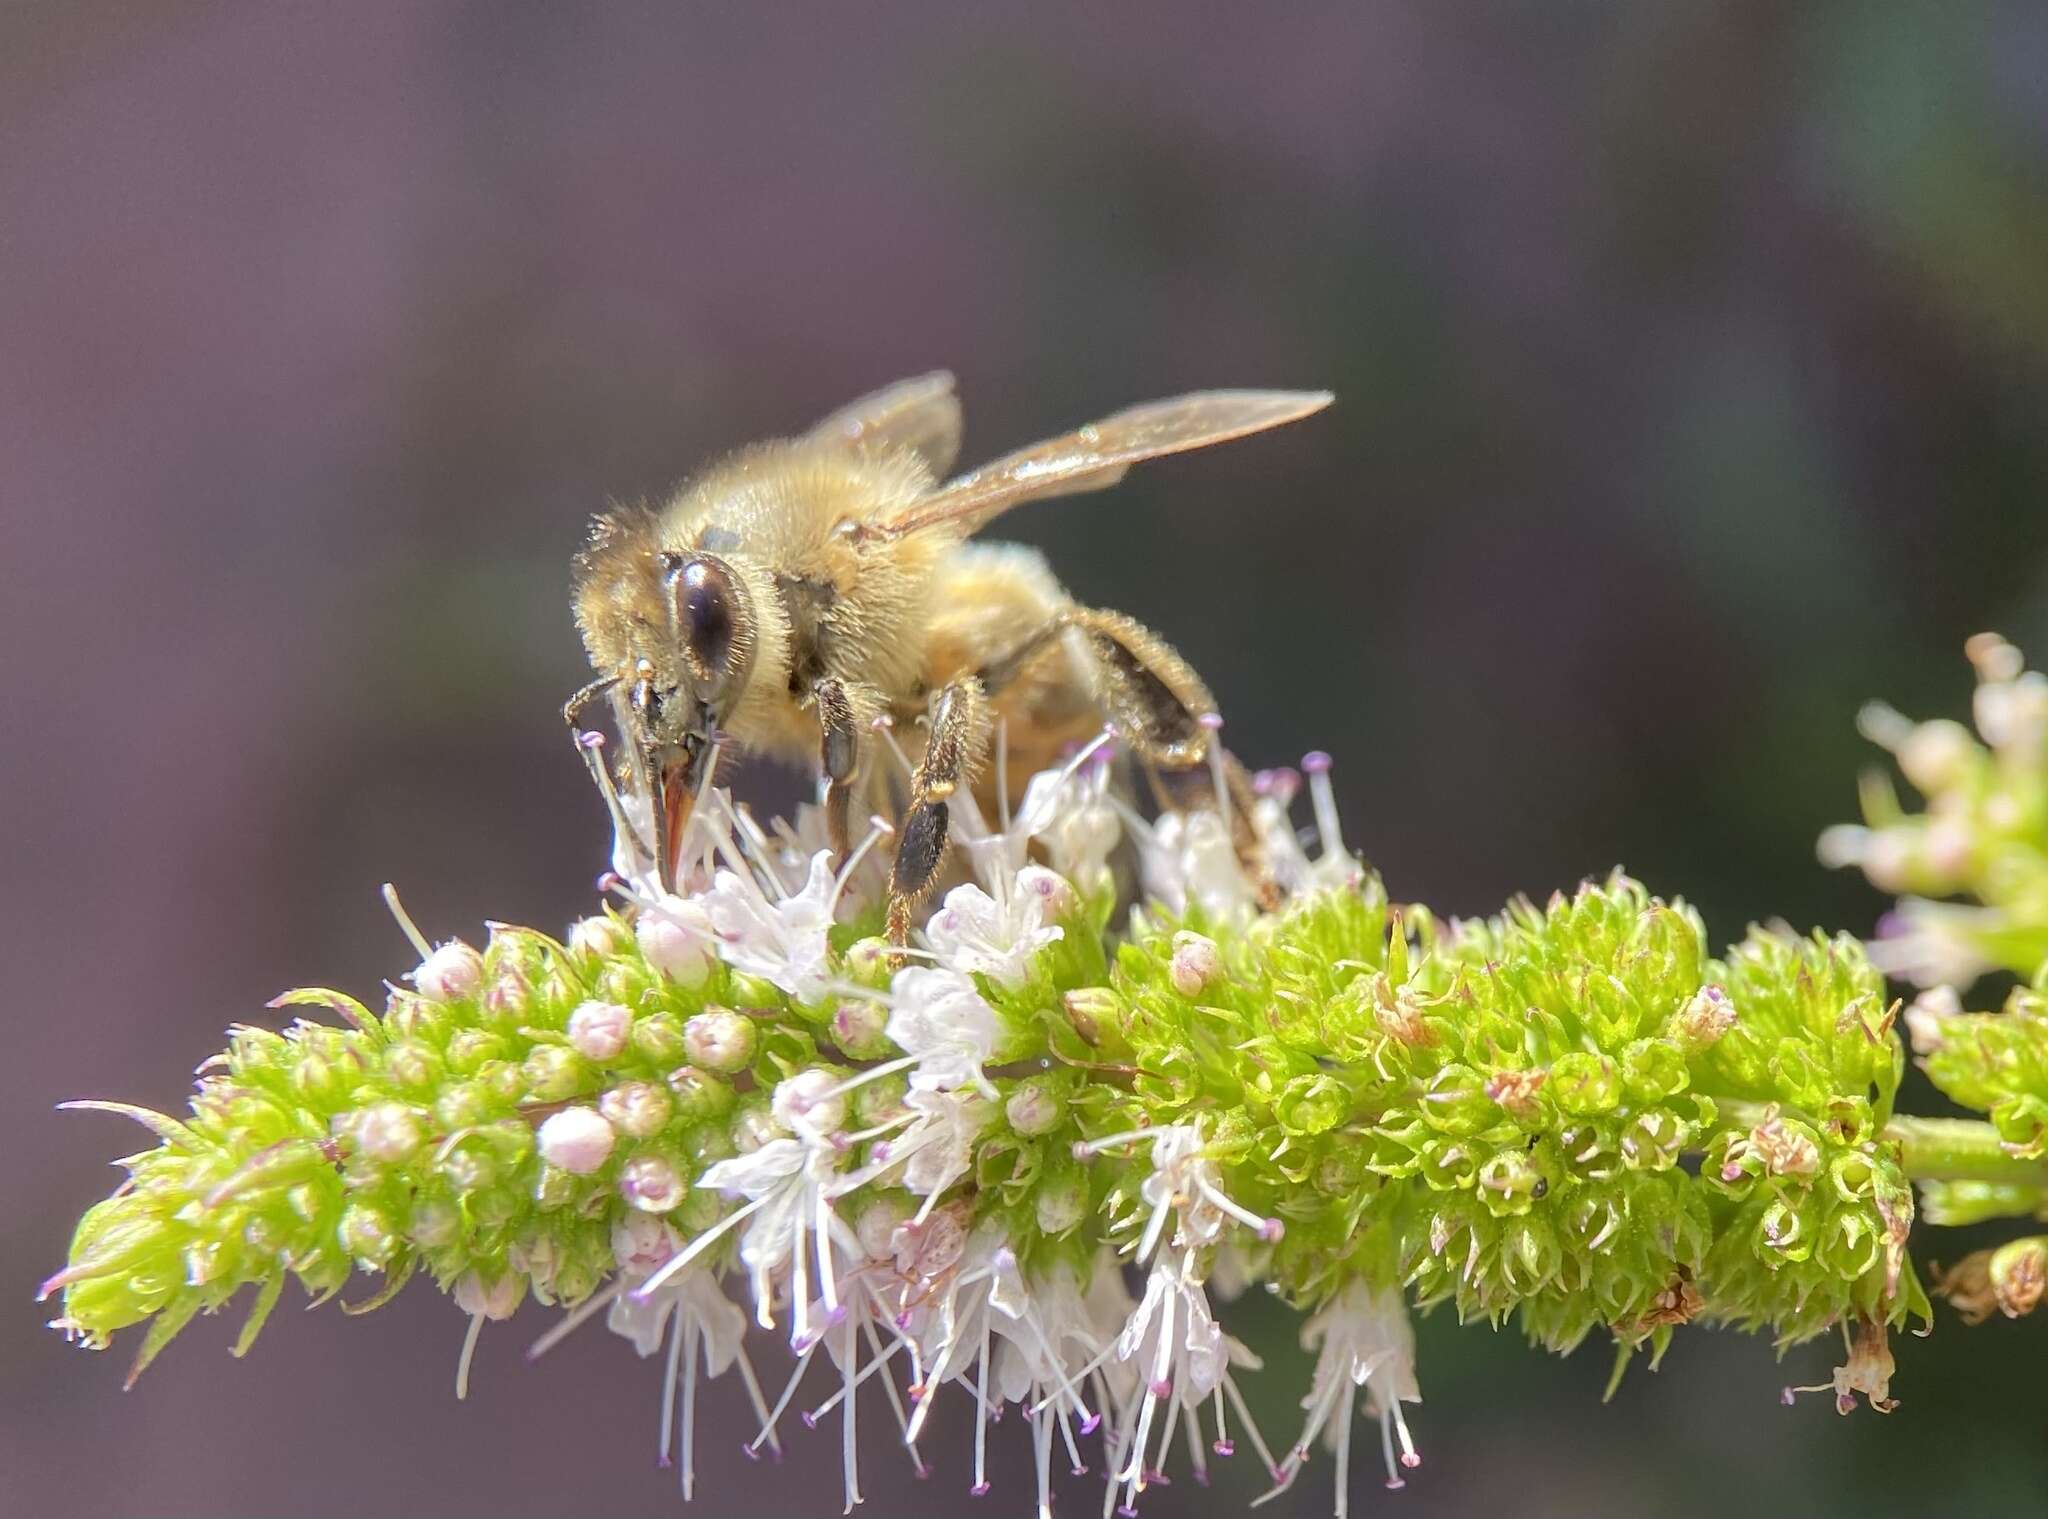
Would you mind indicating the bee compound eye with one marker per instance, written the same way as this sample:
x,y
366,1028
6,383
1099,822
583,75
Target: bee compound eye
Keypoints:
x,y
709,611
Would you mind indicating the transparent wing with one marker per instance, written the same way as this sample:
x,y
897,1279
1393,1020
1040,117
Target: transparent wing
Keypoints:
x,y
921,414
1097,455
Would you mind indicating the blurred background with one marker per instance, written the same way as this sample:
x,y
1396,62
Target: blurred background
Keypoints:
x,y
1692,366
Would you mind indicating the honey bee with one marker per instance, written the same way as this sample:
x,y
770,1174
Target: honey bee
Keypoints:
x,y
793,597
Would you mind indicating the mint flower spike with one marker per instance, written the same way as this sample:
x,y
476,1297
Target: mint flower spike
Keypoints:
x,y
1983,835
1029,1163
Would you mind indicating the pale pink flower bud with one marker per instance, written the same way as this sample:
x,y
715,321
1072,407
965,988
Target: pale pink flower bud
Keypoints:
x,y
494,1297
637,1109
450,973
1842,844
598,1030
387,1133
877,1227
1060,1205
1081,838
602,936
929,1248
576,1140
1949,846
1994,658
1704,1019
1034,1109
859,1027
1888,858
537,1257
808,1104
1784,1150
1056,897
652,1185
680,950
641,1244
435,1224
1935,756
719,1039
754,1127
866,958
1195,963
1924,1015
1516,1092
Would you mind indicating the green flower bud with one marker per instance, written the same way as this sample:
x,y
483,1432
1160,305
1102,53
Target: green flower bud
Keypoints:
x,y
1510,1182
555,1072
1456,1101
1584,1084
415,1068
658,1038
435,1225
1034,1107
386,1133
699,1096
878,1101
1059,1204
752,991
508,999
462,1105
637,1109
602,937
366,1234
1654,1069
1311,1105
2022,1122
471,1049
1092,1012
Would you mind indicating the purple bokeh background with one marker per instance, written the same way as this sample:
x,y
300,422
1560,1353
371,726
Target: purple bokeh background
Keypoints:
x,y
1692,365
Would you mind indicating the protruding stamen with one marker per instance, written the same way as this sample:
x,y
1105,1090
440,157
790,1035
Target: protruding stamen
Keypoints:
x,y
476,1328
1329,833
878,830
573,1319
1212,723
405,922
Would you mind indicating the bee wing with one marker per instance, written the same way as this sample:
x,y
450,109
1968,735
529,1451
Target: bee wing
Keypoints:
x,y
1095,456
921,414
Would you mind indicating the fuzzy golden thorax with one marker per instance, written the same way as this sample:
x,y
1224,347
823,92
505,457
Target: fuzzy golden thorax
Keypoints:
x,y
818,594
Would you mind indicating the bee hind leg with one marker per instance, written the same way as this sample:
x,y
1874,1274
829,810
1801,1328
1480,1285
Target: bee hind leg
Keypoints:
x,y
1159,706
958,736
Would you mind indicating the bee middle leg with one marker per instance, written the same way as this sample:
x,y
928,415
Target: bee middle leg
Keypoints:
x,y
959,731
838,755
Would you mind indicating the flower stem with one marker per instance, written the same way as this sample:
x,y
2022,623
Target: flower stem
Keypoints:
x,y
1959,1149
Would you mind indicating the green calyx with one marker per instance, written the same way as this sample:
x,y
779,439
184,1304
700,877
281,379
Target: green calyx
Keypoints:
x,y
1570,1113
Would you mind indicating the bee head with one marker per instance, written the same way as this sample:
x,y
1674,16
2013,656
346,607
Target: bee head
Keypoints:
x,y
689,662
674,628
711,624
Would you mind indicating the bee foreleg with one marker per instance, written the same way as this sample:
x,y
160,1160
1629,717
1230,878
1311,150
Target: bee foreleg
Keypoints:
x,y
957,738
573,707
591,747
